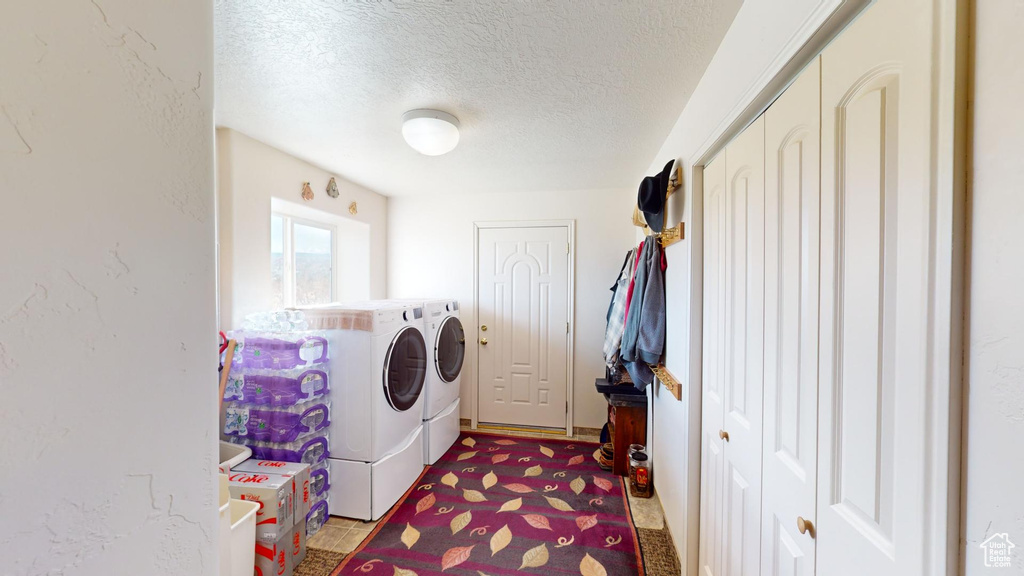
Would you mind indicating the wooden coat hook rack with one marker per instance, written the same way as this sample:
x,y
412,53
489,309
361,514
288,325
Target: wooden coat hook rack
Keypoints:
x,y
668,381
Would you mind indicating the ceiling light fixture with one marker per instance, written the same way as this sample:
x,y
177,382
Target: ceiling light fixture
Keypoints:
x,y
430,132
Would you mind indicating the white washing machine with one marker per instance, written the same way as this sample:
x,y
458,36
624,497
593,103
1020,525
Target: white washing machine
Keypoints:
x,y
446,347
379,362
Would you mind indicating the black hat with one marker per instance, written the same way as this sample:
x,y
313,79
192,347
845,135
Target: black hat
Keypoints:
x,y
651,197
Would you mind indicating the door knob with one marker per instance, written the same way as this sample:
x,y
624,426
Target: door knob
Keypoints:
x,y
483,341
723,435
804,526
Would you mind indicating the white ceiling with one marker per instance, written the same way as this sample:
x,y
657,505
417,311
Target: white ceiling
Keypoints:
x,y
551,94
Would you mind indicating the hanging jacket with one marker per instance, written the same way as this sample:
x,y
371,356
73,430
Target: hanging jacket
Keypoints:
x,y
617,311
643,339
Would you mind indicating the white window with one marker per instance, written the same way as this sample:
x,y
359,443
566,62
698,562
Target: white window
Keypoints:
x,y
303,257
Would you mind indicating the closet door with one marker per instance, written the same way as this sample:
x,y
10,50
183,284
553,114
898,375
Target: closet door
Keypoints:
x,y
876,474
792,197
744,349
712,452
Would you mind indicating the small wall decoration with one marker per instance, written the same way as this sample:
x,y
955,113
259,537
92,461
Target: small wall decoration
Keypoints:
x,y
352,209
332,188
307,192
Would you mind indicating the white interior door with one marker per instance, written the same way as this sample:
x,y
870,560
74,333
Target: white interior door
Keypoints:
x,y
874,448
744,353
712,453
523,300
792,198
733,374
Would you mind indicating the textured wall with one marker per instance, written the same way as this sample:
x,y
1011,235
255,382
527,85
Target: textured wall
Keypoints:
x,y
994,420
552,95
430,254
249,175
107,331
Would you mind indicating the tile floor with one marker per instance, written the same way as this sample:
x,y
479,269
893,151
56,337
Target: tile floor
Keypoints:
x,y
344,535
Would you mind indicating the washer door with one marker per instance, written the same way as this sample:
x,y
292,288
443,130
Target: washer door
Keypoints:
x,y
450,349
405,368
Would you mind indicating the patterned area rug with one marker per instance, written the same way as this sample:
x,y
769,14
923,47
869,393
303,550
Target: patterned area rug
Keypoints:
x,y
497,505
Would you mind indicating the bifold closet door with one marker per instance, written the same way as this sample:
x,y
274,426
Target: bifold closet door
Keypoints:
x,y
792,198
712,452
744,353
878,505
733,357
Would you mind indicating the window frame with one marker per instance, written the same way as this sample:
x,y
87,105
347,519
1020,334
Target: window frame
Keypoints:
x,y
288,280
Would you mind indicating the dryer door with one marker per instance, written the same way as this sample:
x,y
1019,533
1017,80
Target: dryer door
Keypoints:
x,y
405,368
450,349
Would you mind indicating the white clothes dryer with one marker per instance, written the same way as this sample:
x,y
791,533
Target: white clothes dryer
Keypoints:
x,y
378,367
446,347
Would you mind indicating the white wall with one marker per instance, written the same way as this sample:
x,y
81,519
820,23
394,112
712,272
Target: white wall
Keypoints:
x,y
994,420
430,254
107,329
249,175
757,47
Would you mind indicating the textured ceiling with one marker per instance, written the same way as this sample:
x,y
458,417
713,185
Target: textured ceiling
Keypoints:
x,y
551,94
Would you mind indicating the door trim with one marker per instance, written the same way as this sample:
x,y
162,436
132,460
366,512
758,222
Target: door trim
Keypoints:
x,y
570,226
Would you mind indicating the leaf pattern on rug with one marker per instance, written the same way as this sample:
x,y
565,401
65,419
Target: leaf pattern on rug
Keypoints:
x,y
500,540
537,521
559,504
410,536
535,557
558,526
511,505
517,488
473,496
461,521
455,556
578,485
425,503
585,522
591,567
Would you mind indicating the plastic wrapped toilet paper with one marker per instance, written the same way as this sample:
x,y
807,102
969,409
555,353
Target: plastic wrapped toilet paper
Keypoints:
x,y
268,424
276,388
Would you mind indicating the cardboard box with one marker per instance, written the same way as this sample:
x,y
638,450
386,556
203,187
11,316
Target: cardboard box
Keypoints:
x,y
273,558
302,496
275,493
298,542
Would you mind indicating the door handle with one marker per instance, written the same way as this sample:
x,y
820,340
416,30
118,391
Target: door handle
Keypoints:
x,y
723,435
483,341
804,526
